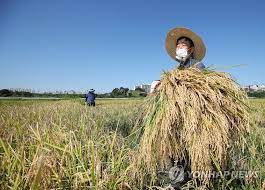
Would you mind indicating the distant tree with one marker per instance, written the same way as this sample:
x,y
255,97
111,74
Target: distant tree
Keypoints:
x,y
115,92
123,91
120,92
5,93
139,89
257,94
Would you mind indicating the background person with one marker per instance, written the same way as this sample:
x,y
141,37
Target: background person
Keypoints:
x,y
90,98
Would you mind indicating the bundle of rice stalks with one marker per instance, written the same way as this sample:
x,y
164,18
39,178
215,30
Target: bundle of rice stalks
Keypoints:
x,y
196,116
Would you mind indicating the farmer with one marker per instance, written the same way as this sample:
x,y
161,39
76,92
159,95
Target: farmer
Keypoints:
x,y
90,98
188,49
185,47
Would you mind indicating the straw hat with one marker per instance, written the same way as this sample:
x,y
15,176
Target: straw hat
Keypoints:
x,y
91,90
174,34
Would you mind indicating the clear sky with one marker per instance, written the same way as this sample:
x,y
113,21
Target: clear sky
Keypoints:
x,y
82,44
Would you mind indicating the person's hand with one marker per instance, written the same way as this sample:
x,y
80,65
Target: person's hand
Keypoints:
x,y
155,84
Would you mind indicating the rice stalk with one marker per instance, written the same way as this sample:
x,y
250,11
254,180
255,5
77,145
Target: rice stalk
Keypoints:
x,y
196,116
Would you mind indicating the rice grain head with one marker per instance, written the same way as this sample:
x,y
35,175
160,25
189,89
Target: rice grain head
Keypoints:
x,y
196,116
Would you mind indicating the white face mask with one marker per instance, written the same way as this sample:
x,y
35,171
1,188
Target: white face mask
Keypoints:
x,y
181,53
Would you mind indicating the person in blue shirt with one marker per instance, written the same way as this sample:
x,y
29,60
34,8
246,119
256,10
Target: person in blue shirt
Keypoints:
x,y
186,48
90,98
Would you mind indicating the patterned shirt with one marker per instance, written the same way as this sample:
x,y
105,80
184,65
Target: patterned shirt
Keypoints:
x,y
192,62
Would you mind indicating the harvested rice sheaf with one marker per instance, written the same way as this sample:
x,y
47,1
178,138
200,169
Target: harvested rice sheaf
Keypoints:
x,y
196,116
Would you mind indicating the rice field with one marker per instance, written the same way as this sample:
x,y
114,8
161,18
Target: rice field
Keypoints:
x,y
63,144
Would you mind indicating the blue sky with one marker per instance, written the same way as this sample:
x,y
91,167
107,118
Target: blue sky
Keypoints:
x,y
64,45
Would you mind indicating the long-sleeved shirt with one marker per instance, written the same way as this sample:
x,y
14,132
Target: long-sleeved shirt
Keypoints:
x,y
191,62
90,97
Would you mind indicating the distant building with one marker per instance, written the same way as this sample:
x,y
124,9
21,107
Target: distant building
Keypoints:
x,y
246,88
145,87
262,87
254,87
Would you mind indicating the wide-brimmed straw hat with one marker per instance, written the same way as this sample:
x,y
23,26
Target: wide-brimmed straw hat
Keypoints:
x,y
91,90
174,34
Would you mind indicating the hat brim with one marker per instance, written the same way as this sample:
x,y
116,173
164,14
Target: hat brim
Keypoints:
x,y
176,33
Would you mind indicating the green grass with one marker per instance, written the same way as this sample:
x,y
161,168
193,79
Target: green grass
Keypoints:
x,y
67,145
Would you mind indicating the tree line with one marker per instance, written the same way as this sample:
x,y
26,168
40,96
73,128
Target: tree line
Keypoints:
x,y
115,93
257,94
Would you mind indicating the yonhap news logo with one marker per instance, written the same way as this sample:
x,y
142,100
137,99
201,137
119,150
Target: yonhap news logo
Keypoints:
x,y
177,174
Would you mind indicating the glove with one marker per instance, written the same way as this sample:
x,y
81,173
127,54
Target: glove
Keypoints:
x,y
154,86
